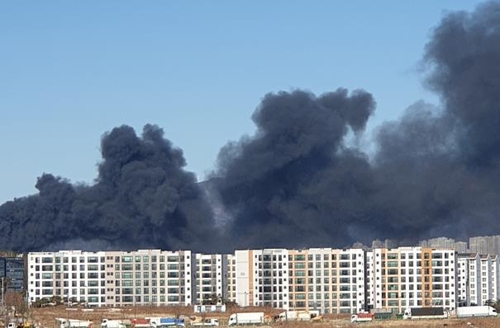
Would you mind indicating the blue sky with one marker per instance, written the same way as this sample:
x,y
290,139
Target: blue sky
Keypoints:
x,y
72,70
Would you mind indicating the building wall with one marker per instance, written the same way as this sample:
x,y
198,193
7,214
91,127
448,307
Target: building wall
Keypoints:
x,y
244,276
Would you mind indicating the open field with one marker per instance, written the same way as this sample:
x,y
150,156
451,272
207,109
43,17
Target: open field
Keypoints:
x,y
45,317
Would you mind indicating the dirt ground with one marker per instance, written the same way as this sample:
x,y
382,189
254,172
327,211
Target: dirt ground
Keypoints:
x,y
45,317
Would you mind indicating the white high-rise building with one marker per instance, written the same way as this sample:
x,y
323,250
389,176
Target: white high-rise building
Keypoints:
x,y
495,272
262,278
477,279
327,280
231,278
112,278
485,244
488,275
411,277
463,288
211,279
322,279
72,276
443,242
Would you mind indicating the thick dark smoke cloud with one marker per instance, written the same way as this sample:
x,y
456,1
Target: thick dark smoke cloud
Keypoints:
x,y
435,172
142,198
299,181
464,55
286,185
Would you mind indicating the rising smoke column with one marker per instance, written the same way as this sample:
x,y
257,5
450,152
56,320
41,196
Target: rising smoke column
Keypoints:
x,y
142,198
464,55
435,171
440,168
282,185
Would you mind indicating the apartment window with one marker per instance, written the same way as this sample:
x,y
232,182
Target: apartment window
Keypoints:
x,y
126,259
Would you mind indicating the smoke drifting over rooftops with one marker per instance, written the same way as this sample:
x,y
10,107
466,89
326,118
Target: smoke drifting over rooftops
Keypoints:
x,y
297,182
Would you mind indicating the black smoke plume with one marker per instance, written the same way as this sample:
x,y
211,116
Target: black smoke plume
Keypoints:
x,y
435,172
141,198
300,181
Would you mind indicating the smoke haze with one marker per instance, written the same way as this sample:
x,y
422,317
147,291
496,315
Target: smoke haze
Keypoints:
x,y
297,182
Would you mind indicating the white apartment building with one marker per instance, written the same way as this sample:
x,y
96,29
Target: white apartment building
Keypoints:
x,y
323,279
73,276
495,271
211,279
489,279
112,278
443,242
472,264
485,244
463,287
411,277
478,278
485,283
261,278
231,278
328,280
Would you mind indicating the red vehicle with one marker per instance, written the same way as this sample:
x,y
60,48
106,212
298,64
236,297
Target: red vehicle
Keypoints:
x,y
362,317
140,323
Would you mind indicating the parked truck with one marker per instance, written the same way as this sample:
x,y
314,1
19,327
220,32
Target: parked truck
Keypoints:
x,y
140,323
165,322
72,323
362,317
246,318
425,313
298,316
476,311
107,323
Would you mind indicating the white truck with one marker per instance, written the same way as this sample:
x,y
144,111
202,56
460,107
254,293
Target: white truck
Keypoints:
x,y
475,311
72,323
107,323
162,322
246,318
298,315
425,313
